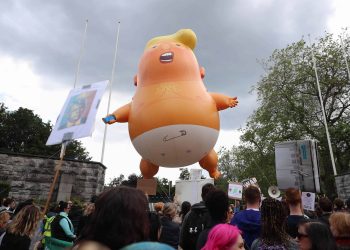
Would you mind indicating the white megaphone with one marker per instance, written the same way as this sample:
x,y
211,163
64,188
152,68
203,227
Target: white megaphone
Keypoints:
x,y
274,192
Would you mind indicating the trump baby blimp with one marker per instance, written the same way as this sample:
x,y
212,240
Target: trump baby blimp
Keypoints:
x,y
173,120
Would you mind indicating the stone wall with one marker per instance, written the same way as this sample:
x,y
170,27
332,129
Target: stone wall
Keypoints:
x,y
31,177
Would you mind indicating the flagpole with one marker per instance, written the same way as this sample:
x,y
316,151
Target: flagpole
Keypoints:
x,y
323,111
110,91
345,56
81,53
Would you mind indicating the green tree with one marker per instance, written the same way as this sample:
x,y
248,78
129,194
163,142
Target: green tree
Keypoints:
x,y
164,186
22,131
228,164
184,174
116,181
242,162
289,108
131,181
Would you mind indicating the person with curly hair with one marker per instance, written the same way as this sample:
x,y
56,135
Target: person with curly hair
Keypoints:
x,y
21,229
273,231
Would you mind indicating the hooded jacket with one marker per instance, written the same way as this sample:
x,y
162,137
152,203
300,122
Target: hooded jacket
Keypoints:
x,y
249,222
189,233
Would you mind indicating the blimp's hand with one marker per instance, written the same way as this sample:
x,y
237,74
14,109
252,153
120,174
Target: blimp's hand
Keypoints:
x,y
110,119
232,102
223,101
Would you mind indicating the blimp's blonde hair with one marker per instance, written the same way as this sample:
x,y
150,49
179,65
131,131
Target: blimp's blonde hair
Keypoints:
x,y
184,36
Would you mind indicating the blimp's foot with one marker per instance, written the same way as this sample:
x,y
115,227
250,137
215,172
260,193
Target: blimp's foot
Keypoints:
x,y
210,163
148,169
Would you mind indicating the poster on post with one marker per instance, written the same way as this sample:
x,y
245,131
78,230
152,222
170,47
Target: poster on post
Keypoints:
x,y
235,191
308,200
190,190
77,117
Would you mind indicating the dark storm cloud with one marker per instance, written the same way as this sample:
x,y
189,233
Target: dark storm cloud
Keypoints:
x,y
232,35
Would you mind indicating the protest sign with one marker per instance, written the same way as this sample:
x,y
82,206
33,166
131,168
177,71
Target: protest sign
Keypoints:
x,y
308,200
235,191
195,174
251,181
77,117
190,190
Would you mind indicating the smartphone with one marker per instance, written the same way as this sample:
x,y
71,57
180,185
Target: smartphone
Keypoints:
x,y
109,119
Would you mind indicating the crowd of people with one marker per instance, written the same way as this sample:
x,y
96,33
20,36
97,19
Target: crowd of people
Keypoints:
x,y
122,218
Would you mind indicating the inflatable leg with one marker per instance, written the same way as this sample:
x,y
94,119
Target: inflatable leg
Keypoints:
x,y
148,169
209,163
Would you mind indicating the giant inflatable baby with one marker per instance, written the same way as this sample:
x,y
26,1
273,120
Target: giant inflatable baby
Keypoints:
x,y
173,120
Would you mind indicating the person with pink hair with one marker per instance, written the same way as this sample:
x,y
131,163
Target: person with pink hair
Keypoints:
x,y
224,237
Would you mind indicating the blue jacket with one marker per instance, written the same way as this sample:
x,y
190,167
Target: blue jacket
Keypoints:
x,y
249,222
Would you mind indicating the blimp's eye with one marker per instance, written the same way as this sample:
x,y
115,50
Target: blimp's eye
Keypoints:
x,y
178,45
155,46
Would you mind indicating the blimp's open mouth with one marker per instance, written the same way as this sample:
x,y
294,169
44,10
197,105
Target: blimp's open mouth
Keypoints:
x,y
166,57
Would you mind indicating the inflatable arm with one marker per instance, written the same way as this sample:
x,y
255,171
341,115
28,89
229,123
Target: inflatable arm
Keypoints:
x,y
224,101
120,115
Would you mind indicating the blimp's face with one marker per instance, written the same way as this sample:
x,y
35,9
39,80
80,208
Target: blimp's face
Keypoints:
x,y
168,61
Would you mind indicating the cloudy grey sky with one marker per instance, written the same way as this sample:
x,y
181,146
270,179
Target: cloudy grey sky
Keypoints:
x,y
40,44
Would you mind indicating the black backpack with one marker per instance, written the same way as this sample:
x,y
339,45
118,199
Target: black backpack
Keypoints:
x,y
194,223
57,231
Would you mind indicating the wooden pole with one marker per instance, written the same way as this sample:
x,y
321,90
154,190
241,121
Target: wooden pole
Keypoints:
x,y
57,173
64,143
